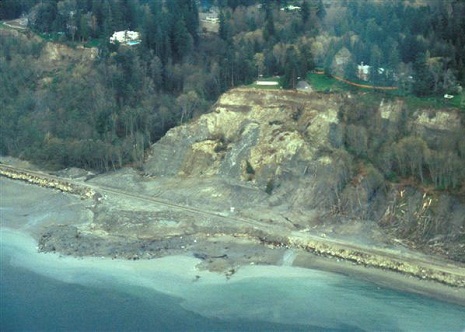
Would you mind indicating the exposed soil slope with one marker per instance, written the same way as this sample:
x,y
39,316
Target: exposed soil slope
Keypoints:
x,y
263,168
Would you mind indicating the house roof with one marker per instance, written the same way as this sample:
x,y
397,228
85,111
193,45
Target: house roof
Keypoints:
x,y
125,36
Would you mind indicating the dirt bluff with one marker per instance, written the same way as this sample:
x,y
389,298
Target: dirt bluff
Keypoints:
x,y
312,154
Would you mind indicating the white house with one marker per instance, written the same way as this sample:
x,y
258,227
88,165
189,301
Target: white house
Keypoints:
x,y
291,8
125,37
363,71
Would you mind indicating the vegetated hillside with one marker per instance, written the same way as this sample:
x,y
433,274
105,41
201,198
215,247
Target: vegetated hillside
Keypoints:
x,y
103,113
332,158
65,106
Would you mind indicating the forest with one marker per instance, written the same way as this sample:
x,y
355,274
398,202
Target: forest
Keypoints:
x,y
106,113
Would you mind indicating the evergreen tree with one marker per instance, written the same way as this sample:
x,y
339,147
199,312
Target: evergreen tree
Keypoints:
x,y
191,18
181,41
423,81
291,69
224,28
269,30
305,59
305,11
12,9
45,16
320,9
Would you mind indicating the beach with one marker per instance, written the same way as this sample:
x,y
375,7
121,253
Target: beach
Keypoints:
x,y
39,208
290,290
255,286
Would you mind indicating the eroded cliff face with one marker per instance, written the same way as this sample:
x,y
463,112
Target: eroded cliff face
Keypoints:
x,y
306,152
255,136
286,143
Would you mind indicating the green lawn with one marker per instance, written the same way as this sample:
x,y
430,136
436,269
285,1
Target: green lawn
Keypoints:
x,y
324,83
433,102
51,37
93,43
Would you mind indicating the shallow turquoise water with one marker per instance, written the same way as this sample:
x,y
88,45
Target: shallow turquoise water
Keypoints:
x,y
31,302
45,292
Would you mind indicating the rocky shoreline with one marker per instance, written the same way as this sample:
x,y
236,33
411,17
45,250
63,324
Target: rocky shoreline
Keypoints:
x,y
412,267
46,181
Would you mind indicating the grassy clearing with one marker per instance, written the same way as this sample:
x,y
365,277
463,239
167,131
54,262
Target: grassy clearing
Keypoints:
x,y
433,102
324,83
93,43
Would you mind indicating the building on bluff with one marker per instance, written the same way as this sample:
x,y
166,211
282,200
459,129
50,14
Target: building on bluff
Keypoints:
x,y
125,37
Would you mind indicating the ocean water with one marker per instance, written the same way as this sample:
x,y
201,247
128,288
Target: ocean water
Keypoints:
x,y
46,292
